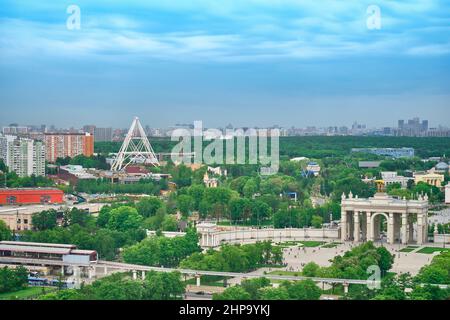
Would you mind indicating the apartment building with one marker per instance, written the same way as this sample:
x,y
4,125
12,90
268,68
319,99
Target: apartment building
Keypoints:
x,y
61,145
25,157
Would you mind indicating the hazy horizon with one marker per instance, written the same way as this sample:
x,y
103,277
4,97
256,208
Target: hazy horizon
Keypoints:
x,y
248,63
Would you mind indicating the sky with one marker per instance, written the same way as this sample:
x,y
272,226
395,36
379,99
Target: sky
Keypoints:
x,y
245,62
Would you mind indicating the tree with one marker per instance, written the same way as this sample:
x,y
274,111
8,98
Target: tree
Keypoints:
x,y
196,192
185,203
260,211
269,293
235,258
162,251
250,188
239,208
232,293
169,223
253,285
434,274
204,208
3,167
148,206
104,244
44,220
316,221
77,216
13,279
155,222
311,269
115,287
124,218
302,290
68,294
429,292
390,290
103,216
182,176
163,286
386,259
5,233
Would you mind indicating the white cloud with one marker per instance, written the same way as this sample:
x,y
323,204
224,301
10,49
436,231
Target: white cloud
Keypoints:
x,y
332,29
427,50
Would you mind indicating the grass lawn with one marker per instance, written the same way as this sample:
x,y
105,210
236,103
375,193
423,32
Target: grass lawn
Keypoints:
x,y
430,250
287,244
24,293
307,244
408,249
331,245
311,244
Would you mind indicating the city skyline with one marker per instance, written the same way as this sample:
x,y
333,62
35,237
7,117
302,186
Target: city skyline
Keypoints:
x,y
92,126
314,63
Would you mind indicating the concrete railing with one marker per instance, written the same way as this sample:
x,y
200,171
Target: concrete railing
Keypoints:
x,y
215,238
442,238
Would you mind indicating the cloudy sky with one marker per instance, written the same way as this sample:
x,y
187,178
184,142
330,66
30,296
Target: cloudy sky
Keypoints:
x,y
245,62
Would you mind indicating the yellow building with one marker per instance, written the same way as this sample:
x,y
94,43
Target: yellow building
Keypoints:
x,y
17,218
433,179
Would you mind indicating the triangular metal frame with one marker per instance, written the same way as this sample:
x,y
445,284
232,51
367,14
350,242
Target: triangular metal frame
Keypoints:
x,y
135,149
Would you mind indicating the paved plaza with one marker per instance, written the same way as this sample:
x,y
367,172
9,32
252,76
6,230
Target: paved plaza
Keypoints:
x,y
297,257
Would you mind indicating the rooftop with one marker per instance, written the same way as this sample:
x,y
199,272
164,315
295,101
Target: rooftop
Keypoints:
x,y
38,244
43,249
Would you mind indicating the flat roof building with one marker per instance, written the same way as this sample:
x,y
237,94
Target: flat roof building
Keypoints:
x,y
53,255
30,196
391,177
369,164
389,152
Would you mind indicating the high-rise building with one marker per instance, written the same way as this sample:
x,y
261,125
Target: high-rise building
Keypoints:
x,y
413,127
61,145
89,128
14,129
425,125
25,157
103,134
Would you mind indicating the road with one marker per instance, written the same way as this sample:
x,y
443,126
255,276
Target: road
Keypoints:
x,y
196,296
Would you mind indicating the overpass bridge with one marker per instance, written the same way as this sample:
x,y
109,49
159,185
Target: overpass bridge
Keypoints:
x,y
197,273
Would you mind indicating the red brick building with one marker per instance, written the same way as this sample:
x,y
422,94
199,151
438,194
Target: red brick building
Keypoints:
x,y
30,196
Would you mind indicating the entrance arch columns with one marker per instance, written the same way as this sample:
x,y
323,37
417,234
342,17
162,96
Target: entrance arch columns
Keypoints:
x,y
356,229
404,228
375,226
391,229
369,236
344,225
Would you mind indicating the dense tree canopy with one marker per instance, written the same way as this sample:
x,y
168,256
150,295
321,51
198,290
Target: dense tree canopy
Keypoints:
x,y
119,286
261,289
162,251
235,258
5,233
13,279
